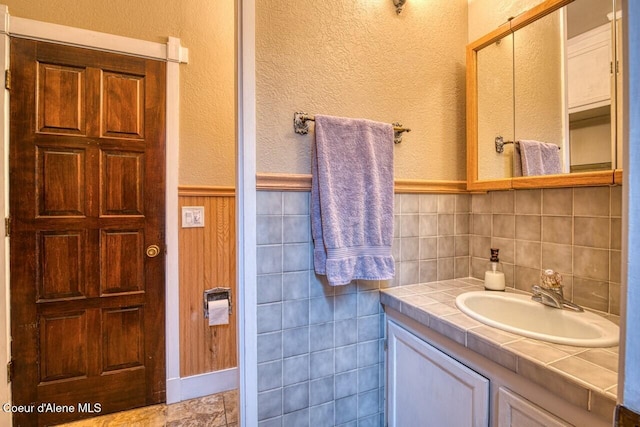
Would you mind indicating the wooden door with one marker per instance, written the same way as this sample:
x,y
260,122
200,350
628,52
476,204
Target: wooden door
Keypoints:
x,y
87,138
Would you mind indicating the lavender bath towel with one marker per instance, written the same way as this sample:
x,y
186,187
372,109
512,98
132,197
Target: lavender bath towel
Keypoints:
x,y
352,199
539,158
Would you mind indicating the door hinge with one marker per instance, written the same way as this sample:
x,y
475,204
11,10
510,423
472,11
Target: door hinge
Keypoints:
x,y
7,226
386,344
7,79
10,368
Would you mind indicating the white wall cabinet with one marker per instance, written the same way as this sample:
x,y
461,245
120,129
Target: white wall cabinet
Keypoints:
x,y
589,57
426,387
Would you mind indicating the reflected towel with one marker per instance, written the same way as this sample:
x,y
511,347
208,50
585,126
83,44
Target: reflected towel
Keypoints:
x,y
539,158
352,199
517,160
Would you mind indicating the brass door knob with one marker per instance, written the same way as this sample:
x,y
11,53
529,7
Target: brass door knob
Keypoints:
x,y
153,251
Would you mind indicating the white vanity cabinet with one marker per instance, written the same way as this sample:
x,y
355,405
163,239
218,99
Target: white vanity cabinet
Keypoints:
x,y
426,387
516,411
434,382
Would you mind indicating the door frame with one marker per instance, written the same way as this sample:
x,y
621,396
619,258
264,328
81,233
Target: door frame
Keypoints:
x,y
173,54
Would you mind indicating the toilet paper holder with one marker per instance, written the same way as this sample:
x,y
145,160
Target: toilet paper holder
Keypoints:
x,y
214,295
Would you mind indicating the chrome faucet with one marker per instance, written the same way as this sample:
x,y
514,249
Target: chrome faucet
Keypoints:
x,y
553,297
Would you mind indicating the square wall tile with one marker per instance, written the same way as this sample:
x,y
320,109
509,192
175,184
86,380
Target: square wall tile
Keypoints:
x,y
461,267
295,397
409,249
428,225
269,203
503,202
591,201
445,268
591,293
557,257
616,233
616,201
269,259
463,203
528,254
428,248
481,224
557,229
446,203
480,247
409,225
591,231
296,203
428,203
446,246
461,246
591,263
528,201
269,288
269,404
446,224
504,226
269,229
526,277
529,227
410,203
462,223
557,201
298,229
481,203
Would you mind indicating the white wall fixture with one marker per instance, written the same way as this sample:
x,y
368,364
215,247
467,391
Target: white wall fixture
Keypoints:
x,y
192,216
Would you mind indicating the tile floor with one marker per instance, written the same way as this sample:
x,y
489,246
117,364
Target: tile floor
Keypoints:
x,y
217,410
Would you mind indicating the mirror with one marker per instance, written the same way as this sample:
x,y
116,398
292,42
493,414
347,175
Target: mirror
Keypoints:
x,y
545,78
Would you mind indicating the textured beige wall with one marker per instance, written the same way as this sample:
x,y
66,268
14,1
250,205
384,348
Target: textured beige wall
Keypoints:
x,y
207,88
357,58
495,109
487,15
538,81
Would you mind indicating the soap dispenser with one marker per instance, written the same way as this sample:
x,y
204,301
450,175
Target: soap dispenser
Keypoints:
x,y
494,276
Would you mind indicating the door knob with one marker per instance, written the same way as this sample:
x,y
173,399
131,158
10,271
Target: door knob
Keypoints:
x,y
153,251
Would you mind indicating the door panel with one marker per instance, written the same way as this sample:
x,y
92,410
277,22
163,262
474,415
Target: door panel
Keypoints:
x,y
87,198
61,101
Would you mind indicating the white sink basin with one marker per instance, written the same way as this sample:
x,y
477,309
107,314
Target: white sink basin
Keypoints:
x,y
519,314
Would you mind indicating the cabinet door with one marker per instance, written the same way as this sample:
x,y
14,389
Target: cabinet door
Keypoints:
x,y
426,387
516,411
589,69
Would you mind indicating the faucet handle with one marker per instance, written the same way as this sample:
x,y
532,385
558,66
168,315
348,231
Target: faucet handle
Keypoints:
x,y
550,279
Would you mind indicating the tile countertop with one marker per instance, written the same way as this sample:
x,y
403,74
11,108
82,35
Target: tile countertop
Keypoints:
x,y
581,371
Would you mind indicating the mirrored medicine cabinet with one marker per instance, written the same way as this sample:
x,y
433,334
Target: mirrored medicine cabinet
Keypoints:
x,y
553,75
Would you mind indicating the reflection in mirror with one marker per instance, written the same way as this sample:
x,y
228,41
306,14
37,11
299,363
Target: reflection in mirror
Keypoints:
x,y
495,107
539,111
591,88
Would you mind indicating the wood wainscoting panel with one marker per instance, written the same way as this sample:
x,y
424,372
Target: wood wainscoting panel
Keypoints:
x,y
207,260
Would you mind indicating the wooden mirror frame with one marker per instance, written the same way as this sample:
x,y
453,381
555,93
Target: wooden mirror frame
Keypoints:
x,y
579,179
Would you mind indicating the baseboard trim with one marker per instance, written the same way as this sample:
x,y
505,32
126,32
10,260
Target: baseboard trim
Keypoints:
x,y
179,389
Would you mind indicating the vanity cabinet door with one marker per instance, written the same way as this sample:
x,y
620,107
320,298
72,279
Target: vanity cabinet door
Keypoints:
x,y
516,411
426,387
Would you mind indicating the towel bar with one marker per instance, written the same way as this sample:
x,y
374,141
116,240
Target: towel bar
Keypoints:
x,y
500,143
301,126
